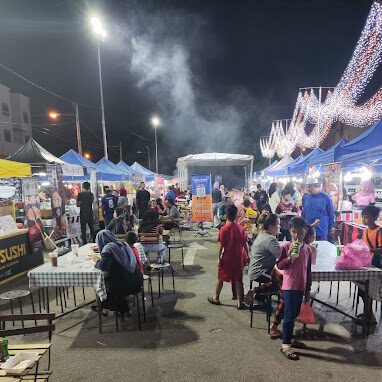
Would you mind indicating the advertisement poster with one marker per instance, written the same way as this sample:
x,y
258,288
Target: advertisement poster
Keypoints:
x,y
136,180
57,192
331,181
10,188
16,257
33,217
201,198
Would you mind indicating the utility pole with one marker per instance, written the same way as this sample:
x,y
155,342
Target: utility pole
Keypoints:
x,y
78,130
120,151
148,156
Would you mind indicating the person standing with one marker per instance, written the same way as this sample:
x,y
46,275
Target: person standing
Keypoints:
x,y
285,211
317,205
122,190
232,241
143,198
176,190
108,205
260,197
170,194
85,201
216,200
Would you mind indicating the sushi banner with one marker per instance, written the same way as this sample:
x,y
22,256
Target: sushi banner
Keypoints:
x,y
201,198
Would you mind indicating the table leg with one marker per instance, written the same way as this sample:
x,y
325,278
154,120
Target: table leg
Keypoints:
x,y
99,314
366,311
47,300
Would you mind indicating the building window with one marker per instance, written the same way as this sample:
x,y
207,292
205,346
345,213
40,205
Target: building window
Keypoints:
x,y
27,137
5,109
7,135
18,136
26,117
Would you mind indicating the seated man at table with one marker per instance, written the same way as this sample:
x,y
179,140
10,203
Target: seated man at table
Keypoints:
x,y
169,214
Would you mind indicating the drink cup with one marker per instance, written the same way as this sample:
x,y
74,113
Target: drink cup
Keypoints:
x,y
75,248
296,249
53,259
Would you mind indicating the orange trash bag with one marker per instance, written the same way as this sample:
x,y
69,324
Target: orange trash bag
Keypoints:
x,y
306,315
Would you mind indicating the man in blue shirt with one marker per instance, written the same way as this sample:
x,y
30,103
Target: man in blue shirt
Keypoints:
x,y
318,205
109,203
170,194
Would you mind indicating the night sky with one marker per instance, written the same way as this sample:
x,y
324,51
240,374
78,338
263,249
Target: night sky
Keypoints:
x,y
216,72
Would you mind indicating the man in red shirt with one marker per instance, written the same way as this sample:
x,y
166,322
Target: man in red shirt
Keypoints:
x,y
232,242
122,191
176,190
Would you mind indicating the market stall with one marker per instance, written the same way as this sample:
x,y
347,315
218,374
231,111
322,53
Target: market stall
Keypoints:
x,y
20,248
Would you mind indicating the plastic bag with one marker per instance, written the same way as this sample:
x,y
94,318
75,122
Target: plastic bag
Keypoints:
x,y
306,315
354,256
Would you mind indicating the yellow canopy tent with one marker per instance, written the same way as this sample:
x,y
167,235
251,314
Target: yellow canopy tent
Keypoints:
x,y
10,169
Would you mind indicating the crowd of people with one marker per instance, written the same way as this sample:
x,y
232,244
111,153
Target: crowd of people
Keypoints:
x,y
284,215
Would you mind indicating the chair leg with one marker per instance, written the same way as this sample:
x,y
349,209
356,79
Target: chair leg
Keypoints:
x,y
158,283
169,255
251,313
143,304
11,305
182,258
151,292
173,280
162,279
21,311
33,310
139,313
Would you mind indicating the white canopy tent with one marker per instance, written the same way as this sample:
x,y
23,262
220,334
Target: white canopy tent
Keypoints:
x,y
214,160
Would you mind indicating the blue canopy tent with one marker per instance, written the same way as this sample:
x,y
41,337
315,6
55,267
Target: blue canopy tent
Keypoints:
x,y
302,166
282,168
73,157
126,168
258,173
149,175
369,139
370,157
334,154
107,171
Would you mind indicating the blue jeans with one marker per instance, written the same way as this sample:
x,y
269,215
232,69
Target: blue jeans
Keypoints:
x,y
292,306
160,248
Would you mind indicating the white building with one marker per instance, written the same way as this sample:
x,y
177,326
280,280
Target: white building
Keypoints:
x,y
15,121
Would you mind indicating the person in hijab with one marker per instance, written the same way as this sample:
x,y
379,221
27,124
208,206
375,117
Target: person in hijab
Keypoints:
x,y
365,195
121,271
216,200
123,221
151,224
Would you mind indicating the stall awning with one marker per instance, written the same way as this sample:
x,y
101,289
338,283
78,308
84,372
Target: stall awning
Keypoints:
x,y
369,139
34,153
366,158
334,154
267,168
107,171
10,169
302,166
126,168
73,157
149,175
281,167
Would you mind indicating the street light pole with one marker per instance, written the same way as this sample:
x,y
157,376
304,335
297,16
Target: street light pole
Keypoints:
x,y
148,156
102,106
156,149
79,144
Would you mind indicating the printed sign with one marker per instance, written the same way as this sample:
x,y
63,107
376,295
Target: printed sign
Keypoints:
x,y
16,256
201,198
10,188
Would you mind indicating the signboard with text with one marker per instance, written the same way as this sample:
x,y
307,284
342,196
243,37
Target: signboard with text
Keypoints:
x,y
201,198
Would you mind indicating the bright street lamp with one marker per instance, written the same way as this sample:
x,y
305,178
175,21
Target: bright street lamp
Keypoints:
x,y
87,155
100,32
54,115
155,121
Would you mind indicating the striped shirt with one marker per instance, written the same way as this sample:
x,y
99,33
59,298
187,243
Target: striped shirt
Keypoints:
x,y
158,231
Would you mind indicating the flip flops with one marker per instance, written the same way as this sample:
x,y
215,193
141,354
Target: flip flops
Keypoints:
x,y
290,354
212,301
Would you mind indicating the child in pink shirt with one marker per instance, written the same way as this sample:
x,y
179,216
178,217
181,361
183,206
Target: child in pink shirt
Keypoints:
x,y
296,282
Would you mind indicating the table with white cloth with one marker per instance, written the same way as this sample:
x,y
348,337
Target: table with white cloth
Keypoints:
x,y
71,271
324,270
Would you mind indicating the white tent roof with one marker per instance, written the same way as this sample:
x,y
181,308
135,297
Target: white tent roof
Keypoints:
x,y
219,158
283,163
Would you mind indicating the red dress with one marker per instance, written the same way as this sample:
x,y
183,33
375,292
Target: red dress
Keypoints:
x,y
232,238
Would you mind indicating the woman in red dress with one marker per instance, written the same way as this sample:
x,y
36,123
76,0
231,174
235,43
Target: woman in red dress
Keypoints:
x,y
231,242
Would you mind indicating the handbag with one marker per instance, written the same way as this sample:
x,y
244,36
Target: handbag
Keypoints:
x,y
306,315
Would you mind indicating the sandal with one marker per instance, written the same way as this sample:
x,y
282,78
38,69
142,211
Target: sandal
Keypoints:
x,y
290,354
276,334
212,301
248,299
95,309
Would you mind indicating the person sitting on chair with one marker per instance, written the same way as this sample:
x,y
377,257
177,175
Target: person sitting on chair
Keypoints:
x,y
169,214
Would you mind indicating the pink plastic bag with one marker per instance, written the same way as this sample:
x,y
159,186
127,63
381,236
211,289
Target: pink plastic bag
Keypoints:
x,y
306,315
354,256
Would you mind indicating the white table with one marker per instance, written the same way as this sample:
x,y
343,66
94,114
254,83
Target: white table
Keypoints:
x,y
70,272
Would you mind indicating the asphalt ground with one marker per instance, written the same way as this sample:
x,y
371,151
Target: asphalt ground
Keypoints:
x,y
187,339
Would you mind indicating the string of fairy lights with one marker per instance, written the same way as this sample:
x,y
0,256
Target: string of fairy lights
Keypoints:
x,y
317,109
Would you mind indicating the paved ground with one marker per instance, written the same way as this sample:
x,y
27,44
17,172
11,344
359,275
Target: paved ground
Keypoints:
x,y
187,339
